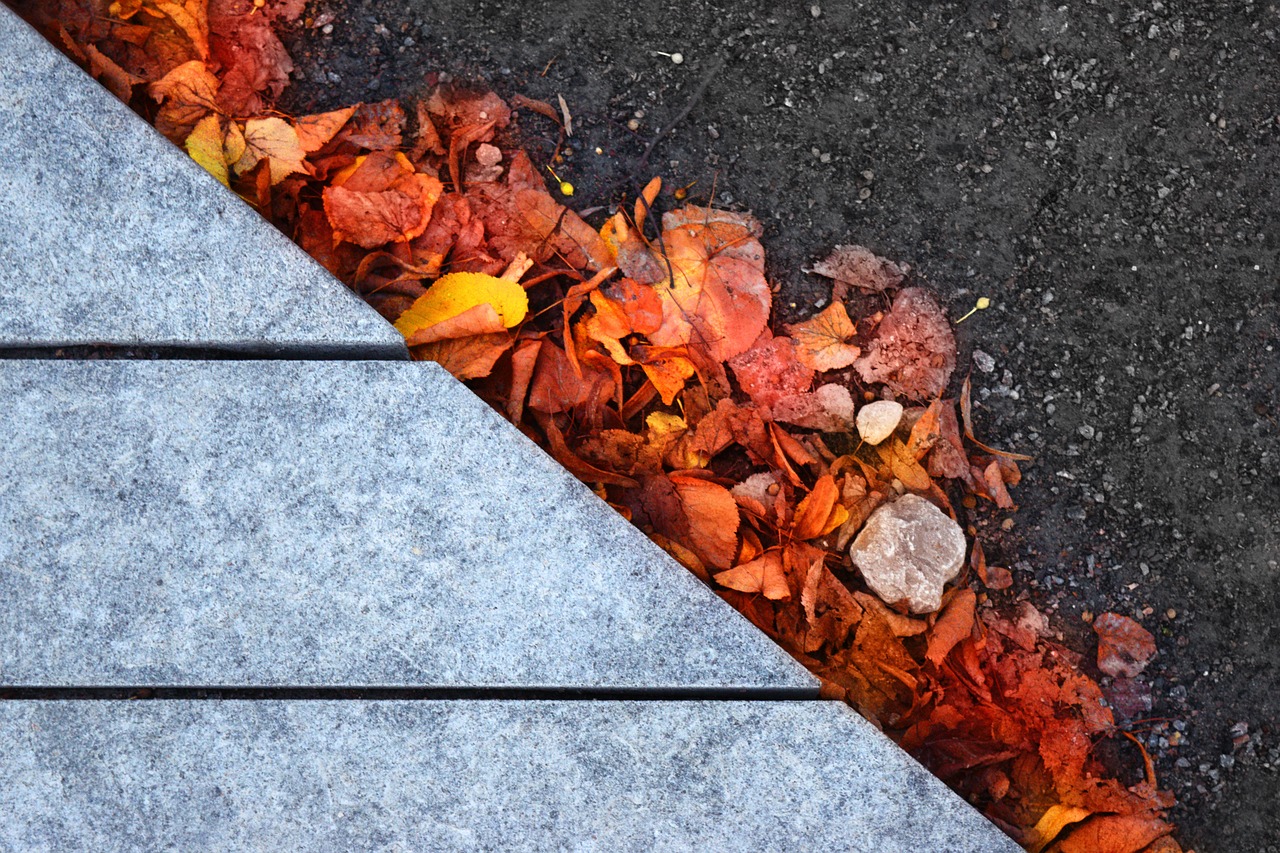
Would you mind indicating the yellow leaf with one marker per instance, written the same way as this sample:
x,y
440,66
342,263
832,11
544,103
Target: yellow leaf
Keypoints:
x,y
457,292
275,140
124,9
190,18
205,147
662,424
1052,823
233,146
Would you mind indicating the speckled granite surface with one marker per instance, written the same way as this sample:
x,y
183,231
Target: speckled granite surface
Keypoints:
x,y
251,523
339,776
111,235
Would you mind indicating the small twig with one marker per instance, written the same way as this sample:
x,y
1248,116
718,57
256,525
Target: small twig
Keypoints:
x,y
716,65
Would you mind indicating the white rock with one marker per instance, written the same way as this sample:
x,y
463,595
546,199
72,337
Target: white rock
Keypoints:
x,y
907,551
878,420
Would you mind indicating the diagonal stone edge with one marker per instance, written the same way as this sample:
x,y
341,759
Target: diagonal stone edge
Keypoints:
x,y
470,775
111,235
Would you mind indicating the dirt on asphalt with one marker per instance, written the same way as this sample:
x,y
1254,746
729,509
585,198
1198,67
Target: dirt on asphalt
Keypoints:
x,y
1105,173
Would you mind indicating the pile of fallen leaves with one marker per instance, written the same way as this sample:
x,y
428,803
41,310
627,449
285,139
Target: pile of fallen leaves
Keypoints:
x,y
642,356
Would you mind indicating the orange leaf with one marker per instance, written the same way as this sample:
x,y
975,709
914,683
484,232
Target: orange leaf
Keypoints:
x,y
926,432
372,219
315,131
718,299
712,517
668,376
822,342
1114,833
954,625
815,509
1051,824
995,486
903,466
763,575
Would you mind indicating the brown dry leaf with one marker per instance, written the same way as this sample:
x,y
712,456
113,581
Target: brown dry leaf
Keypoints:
x,y
947,457
273,140
822,342
458,108
901,626
115,78
762,575
913,351
966,414
829,608
191,18
732,423
1124,646
564,231
718,300
770,371
186,94
574,464
558,387
927,430
856,266
991,476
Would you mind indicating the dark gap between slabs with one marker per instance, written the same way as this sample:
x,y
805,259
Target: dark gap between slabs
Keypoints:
x,y
699,694
110,352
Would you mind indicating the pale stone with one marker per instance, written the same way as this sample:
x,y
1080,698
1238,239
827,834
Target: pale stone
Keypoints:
x,y
520,774
878,420
908,551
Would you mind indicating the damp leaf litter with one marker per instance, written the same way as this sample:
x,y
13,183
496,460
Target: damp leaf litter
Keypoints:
x,y
643,354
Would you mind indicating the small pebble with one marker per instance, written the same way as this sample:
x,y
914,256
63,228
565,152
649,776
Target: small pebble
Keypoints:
x,y
878,420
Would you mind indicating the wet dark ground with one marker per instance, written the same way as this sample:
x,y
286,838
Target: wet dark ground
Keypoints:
x,y
1105,173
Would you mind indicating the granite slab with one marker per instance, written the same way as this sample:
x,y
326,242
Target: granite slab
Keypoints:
x,y
469,775
111,235
327,523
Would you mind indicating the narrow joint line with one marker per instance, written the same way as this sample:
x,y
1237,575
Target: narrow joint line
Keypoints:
x,y
354,693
